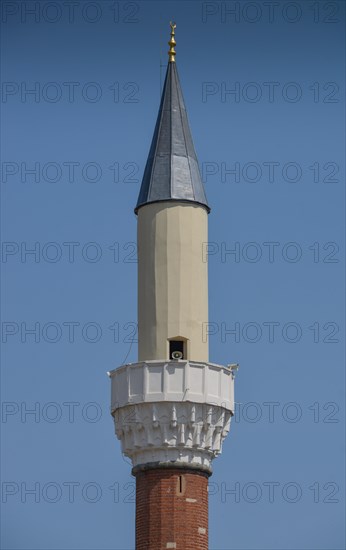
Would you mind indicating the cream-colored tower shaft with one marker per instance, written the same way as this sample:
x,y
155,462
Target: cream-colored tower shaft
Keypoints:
x,y
172,279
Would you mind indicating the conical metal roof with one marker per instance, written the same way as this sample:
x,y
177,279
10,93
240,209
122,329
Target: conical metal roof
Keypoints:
x,y
172,172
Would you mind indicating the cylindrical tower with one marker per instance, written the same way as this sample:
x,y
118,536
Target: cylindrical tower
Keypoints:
x,y
171,509
172,409
172,280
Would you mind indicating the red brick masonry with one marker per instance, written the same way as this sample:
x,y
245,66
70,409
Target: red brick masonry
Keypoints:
x,y
171,509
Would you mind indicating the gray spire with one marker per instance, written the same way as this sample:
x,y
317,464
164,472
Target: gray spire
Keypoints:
x,y
172,172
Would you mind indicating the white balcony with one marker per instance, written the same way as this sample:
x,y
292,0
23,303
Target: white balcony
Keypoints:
x,y
172,412
178,381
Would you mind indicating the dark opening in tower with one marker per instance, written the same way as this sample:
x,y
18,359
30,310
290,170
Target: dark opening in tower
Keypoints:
x,y
177,349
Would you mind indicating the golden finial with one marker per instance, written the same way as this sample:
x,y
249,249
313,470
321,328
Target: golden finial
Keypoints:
x,y
172,43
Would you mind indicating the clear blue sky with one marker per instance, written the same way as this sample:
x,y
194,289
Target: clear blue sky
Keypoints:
x,y
87,129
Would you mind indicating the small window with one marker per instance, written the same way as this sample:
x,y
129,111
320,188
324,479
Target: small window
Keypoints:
x,y
176,349
181,485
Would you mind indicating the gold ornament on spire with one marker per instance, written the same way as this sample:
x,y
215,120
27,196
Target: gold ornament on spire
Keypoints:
x,y
172,43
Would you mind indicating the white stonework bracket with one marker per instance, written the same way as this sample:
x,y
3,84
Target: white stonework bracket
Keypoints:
x,y
172,412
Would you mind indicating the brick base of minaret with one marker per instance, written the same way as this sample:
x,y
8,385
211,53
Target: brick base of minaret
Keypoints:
x,y
171,509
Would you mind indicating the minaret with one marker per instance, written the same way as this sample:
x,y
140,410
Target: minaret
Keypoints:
x,y
172,409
